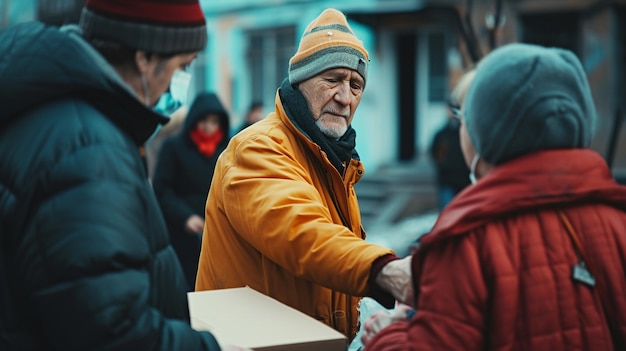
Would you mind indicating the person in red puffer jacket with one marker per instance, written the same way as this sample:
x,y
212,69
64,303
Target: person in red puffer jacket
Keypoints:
x,y
533,255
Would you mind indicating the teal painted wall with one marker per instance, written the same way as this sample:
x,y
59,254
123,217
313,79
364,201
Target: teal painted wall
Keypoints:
x,y
16,11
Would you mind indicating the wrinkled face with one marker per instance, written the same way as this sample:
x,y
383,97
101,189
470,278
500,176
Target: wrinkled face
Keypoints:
x,y
209,125
333,97
159,72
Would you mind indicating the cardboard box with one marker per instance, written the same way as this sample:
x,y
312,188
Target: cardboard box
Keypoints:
x,y
246,317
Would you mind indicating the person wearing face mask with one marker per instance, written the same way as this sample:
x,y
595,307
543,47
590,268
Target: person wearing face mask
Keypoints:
x,y
282,215
183,176
532,256
85,258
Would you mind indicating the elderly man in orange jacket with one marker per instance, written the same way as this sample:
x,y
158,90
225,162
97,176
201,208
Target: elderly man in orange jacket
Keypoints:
x,y
282,215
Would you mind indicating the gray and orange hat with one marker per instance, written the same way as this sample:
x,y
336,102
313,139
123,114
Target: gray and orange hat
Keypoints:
x,y
156,26
328,42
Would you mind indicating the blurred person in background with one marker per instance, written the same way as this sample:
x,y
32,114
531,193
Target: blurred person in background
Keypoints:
x,y
253,115
85,259
533,255
183,176
452,172
282,215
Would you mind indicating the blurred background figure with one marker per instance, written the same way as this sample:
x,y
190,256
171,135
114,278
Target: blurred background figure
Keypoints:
x,y
254,114
183,176
451,171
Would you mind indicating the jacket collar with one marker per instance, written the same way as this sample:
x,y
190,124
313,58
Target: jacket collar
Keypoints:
x,y
542,179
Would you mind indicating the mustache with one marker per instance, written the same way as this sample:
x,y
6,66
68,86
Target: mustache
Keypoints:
x,y
345,113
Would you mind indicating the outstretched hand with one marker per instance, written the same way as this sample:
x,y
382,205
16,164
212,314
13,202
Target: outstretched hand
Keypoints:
x,y
396,278
382,319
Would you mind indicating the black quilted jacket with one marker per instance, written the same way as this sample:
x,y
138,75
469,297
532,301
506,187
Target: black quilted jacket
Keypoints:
x,y
85,261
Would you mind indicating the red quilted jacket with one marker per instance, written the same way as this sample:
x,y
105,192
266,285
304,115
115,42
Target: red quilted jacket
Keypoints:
x,y
495,273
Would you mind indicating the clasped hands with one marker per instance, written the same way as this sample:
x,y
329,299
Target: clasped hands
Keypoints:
x,y
395,277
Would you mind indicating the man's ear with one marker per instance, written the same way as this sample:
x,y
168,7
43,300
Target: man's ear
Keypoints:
x,y
142,62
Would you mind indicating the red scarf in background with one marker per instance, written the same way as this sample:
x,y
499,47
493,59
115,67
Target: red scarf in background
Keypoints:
x,y
207,144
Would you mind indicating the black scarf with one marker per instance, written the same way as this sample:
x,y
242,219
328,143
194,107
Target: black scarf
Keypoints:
x,y
338,150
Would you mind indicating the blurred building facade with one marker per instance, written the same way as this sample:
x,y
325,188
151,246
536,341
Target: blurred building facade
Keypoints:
x,y
418,48
15,11
55,12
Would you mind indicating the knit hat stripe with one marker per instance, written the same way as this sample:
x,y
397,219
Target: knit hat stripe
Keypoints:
x,y
332,57
330,50
146,37
189,14
330,26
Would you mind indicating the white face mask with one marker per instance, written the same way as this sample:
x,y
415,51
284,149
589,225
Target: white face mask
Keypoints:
x,y
179,86
472,175
173,99
176,96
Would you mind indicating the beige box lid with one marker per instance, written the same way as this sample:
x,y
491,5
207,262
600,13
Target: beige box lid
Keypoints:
x,y
246,317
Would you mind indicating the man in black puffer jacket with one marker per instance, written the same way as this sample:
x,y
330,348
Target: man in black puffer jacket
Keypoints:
x,y
85,261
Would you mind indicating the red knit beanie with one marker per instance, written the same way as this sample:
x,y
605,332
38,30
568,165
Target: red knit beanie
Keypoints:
x,y
155,26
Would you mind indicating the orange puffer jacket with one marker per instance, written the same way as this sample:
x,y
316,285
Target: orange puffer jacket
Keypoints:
x,y
280,219
496,271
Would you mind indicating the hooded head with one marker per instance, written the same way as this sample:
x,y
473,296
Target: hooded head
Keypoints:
x,y
328,42
204,104
156,26
526,98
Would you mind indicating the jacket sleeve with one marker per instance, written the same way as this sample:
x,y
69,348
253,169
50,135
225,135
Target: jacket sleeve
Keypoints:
x,y
272,201
175,210
451,302
84,260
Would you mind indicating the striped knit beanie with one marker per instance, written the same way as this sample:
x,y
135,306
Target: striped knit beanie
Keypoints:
x,y
162,27
328,42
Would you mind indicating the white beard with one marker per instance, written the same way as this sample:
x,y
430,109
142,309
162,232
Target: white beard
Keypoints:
x,y
331,130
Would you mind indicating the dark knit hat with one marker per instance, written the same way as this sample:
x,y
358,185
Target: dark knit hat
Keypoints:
x,y
327,42
526,98
155,26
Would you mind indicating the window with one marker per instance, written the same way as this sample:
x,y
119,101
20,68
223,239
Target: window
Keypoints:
x,y
268,55
437,67
552,30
